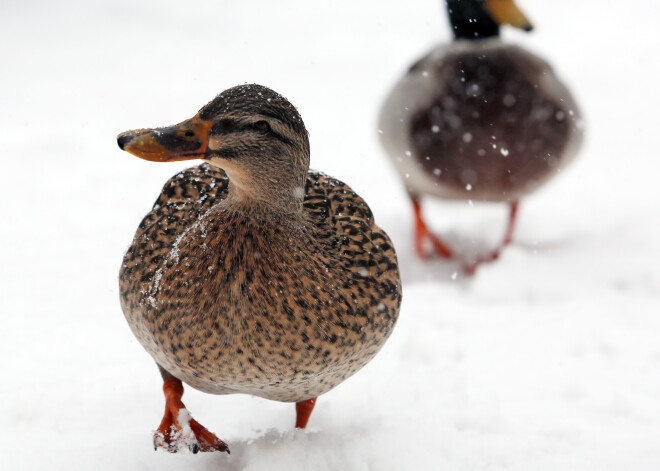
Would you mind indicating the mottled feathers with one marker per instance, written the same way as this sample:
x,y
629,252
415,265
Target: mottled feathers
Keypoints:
x,y
231,302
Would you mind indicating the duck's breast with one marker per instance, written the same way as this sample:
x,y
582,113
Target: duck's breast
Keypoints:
x,y
282,311
480,121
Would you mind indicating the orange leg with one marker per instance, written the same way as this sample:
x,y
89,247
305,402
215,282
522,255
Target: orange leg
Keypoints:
x,y
178,428
471,267
422,232
303,411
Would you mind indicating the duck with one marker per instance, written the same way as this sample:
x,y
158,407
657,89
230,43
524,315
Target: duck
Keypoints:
x,y
478,119
252,274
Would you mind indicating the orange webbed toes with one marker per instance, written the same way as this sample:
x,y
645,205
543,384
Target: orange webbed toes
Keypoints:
x,y
207,440
175,434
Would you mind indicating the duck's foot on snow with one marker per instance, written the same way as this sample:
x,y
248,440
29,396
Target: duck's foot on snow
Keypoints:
x,y
178,429
422,234
471,267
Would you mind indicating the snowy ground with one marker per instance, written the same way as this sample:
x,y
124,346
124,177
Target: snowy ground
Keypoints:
x,y
549,359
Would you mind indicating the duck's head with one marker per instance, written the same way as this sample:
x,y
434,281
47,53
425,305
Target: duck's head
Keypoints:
x,y
250,131
480,19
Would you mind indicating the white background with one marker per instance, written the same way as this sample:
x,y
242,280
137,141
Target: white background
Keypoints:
x,y
546,360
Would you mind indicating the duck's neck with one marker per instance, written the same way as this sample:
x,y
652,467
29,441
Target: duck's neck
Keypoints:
x,y
266,197
470,21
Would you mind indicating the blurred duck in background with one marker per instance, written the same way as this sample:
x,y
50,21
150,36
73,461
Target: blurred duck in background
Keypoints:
x,y
478,119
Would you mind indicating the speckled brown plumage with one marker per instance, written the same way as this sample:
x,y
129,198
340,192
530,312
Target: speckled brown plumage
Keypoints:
x,y
252,274
234,304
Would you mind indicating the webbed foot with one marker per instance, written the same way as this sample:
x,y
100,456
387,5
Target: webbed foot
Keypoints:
x,y
178,429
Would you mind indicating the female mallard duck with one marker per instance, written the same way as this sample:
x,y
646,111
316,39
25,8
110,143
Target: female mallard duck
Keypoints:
x,y
478,119
252,274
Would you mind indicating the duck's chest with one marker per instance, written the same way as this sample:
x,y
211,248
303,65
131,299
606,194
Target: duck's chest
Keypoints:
x,y
485,121
238,269
231,307
492,124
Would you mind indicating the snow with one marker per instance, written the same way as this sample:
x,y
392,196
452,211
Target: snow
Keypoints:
x,y
548,359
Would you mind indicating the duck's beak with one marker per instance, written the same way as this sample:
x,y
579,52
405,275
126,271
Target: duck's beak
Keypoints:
x,y
507,12
183,141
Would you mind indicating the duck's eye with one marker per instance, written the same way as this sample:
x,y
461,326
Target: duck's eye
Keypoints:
x,y
189,134
262,126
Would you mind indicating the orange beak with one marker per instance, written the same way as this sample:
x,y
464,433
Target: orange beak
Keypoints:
x,y
507,12
184,141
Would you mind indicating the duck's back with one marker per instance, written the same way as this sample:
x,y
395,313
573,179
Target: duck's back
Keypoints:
x,y
479,120
229,305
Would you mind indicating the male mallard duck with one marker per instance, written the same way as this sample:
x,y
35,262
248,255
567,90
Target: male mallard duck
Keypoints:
x,y
478,119
252,274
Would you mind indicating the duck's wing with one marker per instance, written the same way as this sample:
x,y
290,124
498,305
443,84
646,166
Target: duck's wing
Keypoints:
x,y
184,199
346,223
187,196
366,295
